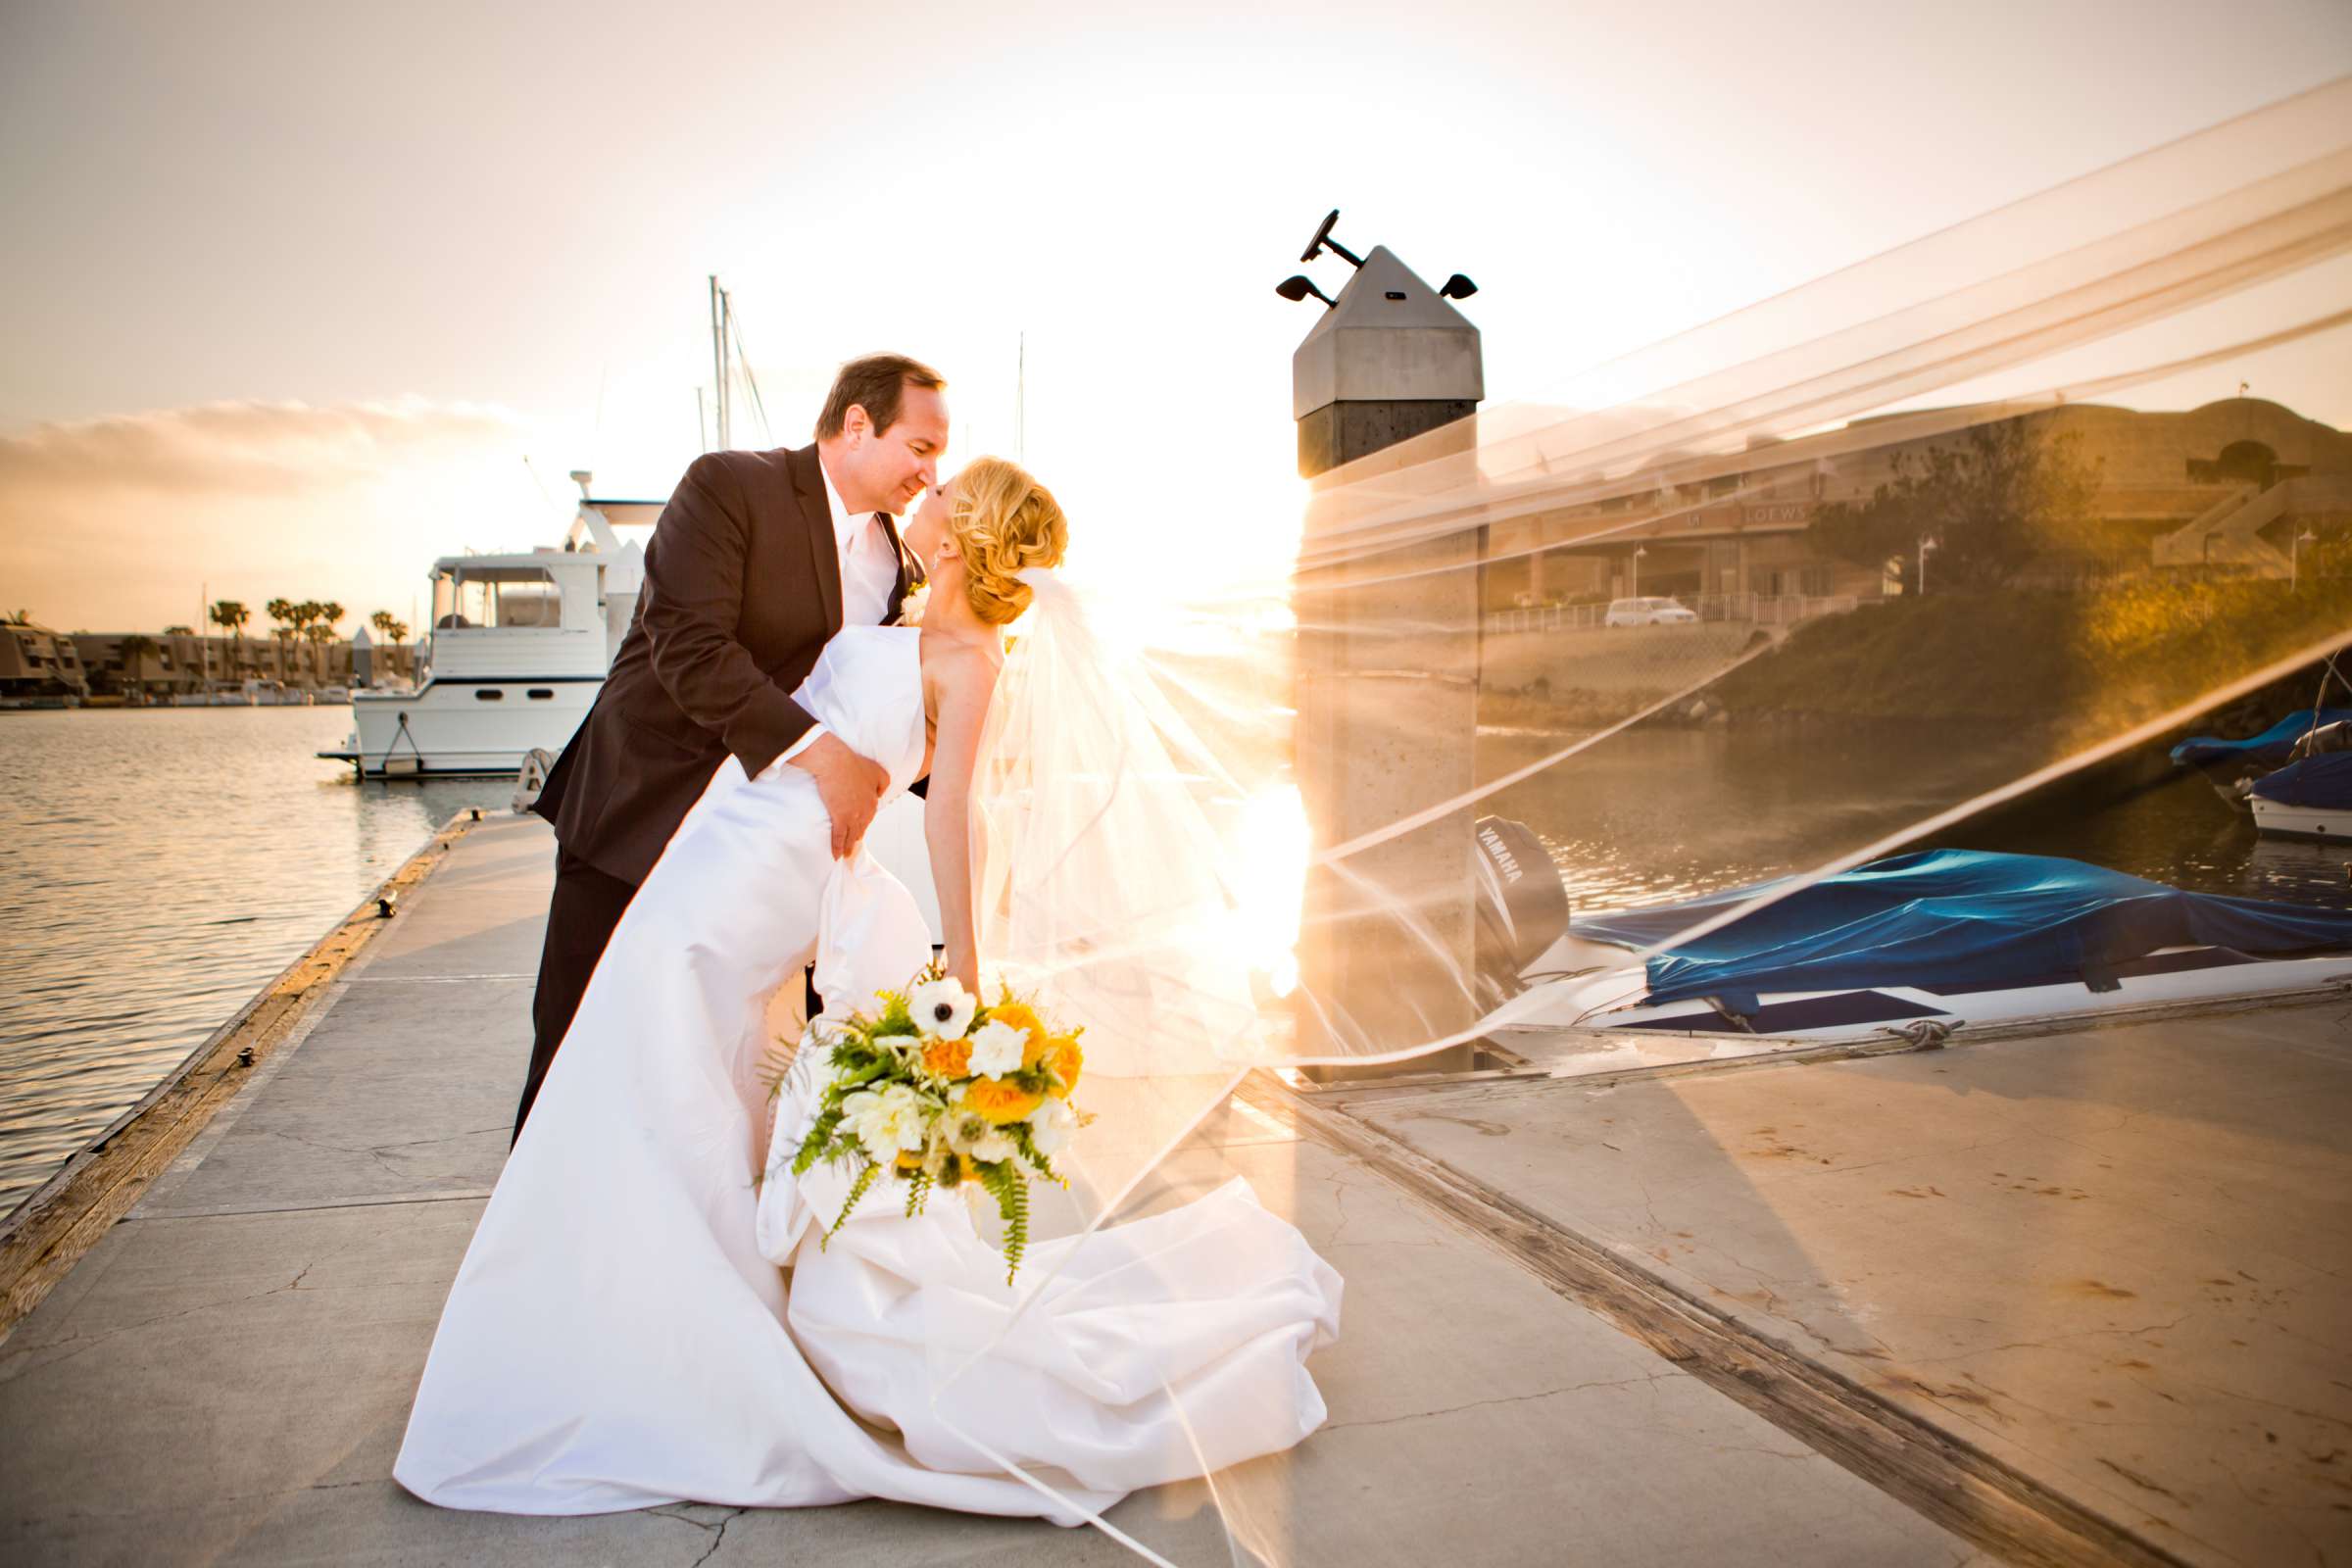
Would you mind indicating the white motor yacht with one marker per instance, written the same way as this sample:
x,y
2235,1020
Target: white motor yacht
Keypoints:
x,y
516,651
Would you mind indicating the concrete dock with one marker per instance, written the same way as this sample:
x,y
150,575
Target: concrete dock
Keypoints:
x,y
2078,1297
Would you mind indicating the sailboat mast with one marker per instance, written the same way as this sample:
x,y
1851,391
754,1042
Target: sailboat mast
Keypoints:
x,y
726,325
718,356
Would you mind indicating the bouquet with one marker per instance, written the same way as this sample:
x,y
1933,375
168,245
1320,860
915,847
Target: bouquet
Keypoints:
x,y
935,1090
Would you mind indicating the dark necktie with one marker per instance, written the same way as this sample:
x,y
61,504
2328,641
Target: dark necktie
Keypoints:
x,y
915,567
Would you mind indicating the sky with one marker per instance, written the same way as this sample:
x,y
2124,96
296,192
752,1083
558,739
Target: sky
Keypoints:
x,y
299,296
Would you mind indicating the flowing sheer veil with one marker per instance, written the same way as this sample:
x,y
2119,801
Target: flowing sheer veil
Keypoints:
x,y
1105,850
1111,887
1237,833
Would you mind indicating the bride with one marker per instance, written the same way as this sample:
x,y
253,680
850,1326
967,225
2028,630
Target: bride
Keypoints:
x,y
649,1312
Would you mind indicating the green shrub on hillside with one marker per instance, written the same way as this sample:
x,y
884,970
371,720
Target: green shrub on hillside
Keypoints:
x,y
2103,659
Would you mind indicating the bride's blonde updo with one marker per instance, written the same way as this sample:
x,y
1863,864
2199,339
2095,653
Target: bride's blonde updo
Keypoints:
x,y
1002,521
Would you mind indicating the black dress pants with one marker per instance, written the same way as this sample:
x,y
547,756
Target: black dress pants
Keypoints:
x,y
580,917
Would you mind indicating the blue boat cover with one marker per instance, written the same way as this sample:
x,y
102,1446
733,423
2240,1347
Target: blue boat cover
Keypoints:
x,y
2323,781
1948,918
2270,746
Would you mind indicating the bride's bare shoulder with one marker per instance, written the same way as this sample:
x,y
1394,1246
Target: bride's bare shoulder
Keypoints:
x,y
960,670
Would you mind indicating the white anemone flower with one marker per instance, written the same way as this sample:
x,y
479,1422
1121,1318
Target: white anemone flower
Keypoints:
x,y
941,1008
997,1049
1051,1126
963,1128
887,1122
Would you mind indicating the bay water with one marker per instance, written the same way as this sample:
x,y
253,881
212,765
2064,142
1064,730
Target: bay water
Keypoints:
x,y
158,867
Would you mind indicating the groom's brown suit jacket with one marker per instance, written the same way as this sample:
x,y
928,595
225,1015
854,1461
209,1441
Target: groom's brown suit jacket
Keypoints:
x,y
741,590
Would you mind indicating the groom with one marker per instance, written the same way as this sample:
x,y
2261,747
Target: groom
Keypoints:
x,y
759,558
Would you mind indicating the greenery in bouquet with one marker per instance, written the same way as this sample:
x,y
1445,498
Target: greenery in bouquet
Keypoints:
x,y
936,1089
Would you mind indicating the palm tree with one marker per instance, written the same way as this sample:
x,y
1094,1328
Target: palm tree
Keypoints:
x,y
329,614
287,629
396,633
230,616
304,613
320,634
134,649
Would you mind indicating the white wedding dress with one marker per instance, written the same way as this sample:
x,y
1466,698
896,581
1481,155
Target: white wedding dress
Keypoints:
x,y
642,1320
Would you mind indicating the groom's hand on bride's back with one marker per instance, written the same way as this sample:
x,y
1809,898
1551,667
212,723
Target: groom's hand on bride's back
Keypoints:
x,y
849,785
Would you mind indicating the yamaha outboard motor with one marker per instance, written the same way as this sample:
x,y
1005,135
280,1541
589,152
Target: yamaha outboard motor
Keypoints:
x,y
1522,905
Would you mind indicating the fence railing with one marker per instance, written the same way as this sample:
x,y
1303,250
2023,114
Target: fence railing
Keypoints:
x,y
1762,610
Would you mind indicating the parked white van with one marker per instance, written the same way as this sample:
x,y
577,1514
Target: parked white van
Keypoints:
x,y
1648,612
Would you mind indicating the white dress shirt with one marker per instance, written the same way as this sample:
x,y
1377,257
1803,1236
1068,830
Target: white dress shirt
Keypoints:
x,y
869,571
868,567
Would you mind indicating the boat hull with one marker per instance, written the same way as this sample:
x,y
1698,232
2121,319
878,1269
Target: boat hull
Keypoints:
x,y
2173,977
459,730
2283,821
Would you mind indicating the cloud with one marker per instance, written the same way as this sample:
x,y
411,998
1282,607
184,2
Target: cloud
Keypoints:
x,y
126,522
246,449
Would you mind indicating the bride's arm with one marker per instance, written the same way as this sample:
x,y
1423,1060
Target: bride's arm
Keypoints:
x,y
964,687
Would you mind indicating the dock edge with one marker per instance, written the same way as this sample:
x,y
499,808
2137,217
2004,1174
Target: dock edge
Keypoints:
x,y
67,1215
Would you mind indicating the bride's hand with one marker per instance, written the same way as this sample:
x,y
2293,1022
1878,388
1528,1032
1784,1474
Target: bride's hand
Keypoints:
x,y
962,967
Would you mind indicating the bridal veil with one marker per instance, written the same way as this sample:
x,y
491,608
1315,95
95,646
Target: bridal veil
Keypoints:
x,y
1175,848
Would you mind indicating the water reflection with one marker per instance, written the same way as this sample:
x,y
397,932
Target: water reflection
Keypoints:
x,y
157,867
1651,815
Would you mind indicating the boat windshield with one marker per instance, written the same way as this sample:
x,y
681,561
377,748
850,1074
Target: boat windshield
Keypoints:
x,y
473,597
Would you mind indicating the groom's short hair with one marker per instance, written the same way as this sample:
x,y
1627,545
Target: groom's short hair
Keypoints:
x,y
876,383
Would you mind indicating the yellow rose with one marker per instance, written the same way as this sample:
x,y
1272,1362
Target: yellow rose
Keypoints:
x,y
1001,1100
1065,1057
949,1059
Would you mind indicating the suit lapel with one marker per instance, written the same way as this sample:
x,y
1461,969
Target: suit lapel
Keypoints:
x,y
824,550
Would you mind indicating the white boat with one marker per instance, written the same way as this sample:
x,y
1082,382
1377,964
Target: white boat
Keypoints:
x,y
267,693
2311,797
1613,997
2302,821
518,648
1919,945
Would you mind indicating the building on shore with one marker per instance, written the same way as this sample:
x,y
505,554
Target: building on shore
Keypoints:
x,y
39,666
2227,488
137,666
45,667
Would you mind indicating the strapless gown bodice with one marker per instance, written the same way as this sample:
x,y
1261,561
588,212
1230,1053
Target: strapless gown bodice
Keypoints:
x,y
868,689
